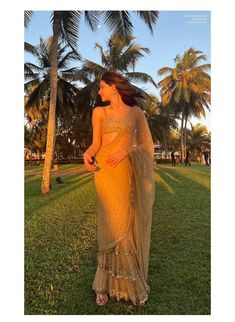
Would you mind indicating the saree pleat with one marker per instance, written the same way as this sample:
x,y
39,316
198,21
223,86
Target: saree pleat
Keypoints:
x,y
125,196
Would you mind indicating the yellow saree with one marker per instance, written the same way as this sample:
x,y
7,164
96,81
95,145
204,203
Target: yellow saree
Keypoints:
x,y
125,195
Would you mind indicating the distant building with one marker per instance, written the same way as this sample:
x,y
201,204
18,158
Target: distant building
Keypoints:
x,y
159,152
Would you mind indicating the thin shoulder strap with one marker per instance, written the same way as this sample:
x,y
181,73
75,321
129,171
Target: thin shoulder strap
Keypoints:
x,y
105,113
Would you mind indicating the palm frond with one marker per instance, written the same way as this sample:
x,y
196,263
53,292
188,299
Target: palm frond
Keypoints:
x,y
92,19
70,56
140,77
149,17
38,93
164,70
166,83
76,74
93,69
104,59
144,93
178,93
118,22
33,67
30,48
130,55
30,75
69,30
27,17
66,93
186,94
31,84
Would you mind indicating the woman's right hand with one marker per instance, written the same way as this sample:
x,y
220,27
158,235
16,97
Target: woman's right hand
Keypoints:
x,y
87,160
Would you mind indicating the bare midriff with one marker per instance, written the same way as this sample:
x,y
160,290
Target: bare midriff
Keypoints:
x,y
108,138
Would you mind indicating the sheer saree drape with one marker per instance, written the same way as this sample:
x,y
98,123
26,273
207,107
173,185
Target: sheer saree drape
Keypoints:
x,y
125,195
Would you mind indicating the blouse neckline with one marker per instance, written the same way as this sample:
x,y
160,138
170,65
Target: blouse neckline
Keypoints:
x,y
111,120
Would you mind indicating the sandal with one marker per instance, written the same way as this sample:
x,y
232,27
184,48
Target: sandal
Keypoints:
x,y
140,303
100,299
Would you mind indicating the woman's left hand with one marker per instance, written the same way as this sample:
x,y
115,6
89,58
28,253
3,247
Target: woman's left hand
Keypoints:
x,y
115,158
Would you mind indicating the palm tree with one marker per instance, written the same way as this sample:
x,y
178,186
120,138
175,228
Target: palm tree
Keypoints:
x,y
119,57
37,86
36,113
28,145
174,140
186,88
35,137
198,138
65,25
161,120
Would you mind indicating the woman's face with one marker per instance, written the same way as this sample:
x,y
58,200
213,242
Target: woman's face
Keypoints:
x,y
106,91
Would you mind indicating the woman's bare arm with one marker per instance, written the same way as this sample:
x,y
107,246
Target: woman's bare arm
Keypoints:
x,y
96,141
96,127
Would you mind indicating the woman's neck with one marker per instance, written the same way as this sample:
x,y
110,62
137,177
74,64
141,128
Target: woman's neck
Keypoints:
x,y
117,104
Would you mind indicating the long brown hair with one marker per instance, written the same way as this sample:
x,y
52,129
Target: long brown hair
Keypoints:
x,y
127,92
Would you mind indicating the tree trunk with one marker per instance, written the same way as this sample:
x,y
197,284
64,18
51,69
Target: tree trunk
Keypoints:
x,y
182,150
46,176
40,155
165,146
185,133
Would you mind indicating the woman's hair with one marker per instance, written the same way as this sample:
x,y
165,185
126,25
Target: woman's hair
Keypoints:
x,y
127,92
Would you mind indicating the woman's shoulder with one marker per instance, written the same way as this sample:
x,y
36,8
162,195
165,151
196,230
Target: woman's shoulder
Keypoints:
x,y
98,113
98,109
101,109
137,109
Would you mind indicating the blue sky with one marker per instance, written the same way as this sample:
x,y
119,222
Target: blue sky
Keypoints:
x,y
174,33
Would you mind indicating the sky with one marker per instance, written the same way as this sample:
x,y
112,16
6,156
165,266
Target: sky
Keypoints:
x,y
174,33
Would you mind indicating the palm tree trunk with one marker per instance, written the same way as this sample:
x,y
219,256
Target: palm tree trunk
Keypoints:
x,y
182,151
185,132
70,151
46,176
165,146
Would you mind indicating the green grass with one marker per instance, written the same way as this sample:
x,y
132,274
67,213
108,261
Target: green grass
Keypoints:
x,y
61,245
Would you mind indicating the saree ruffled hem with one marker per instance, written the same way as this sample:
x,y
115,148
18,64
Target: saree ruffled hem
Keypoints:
x,y
121,288
118,274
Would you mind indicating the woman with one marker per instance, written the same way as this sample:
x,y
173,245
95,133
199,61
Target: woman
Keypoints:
x,y
124,183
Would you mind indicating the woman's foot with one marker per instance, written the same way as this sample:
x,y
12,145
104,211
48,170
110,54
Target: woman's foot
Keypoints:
x,y
141,303
102,298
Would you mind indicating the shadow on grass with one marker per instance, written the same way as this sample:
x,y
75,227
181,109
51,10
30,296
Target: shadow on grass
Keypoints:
x,y
34,174
71,183
198,173
179,266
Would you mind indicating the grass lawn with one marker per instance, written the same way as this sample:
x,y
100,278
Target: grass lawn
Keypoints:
x,y
61,246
